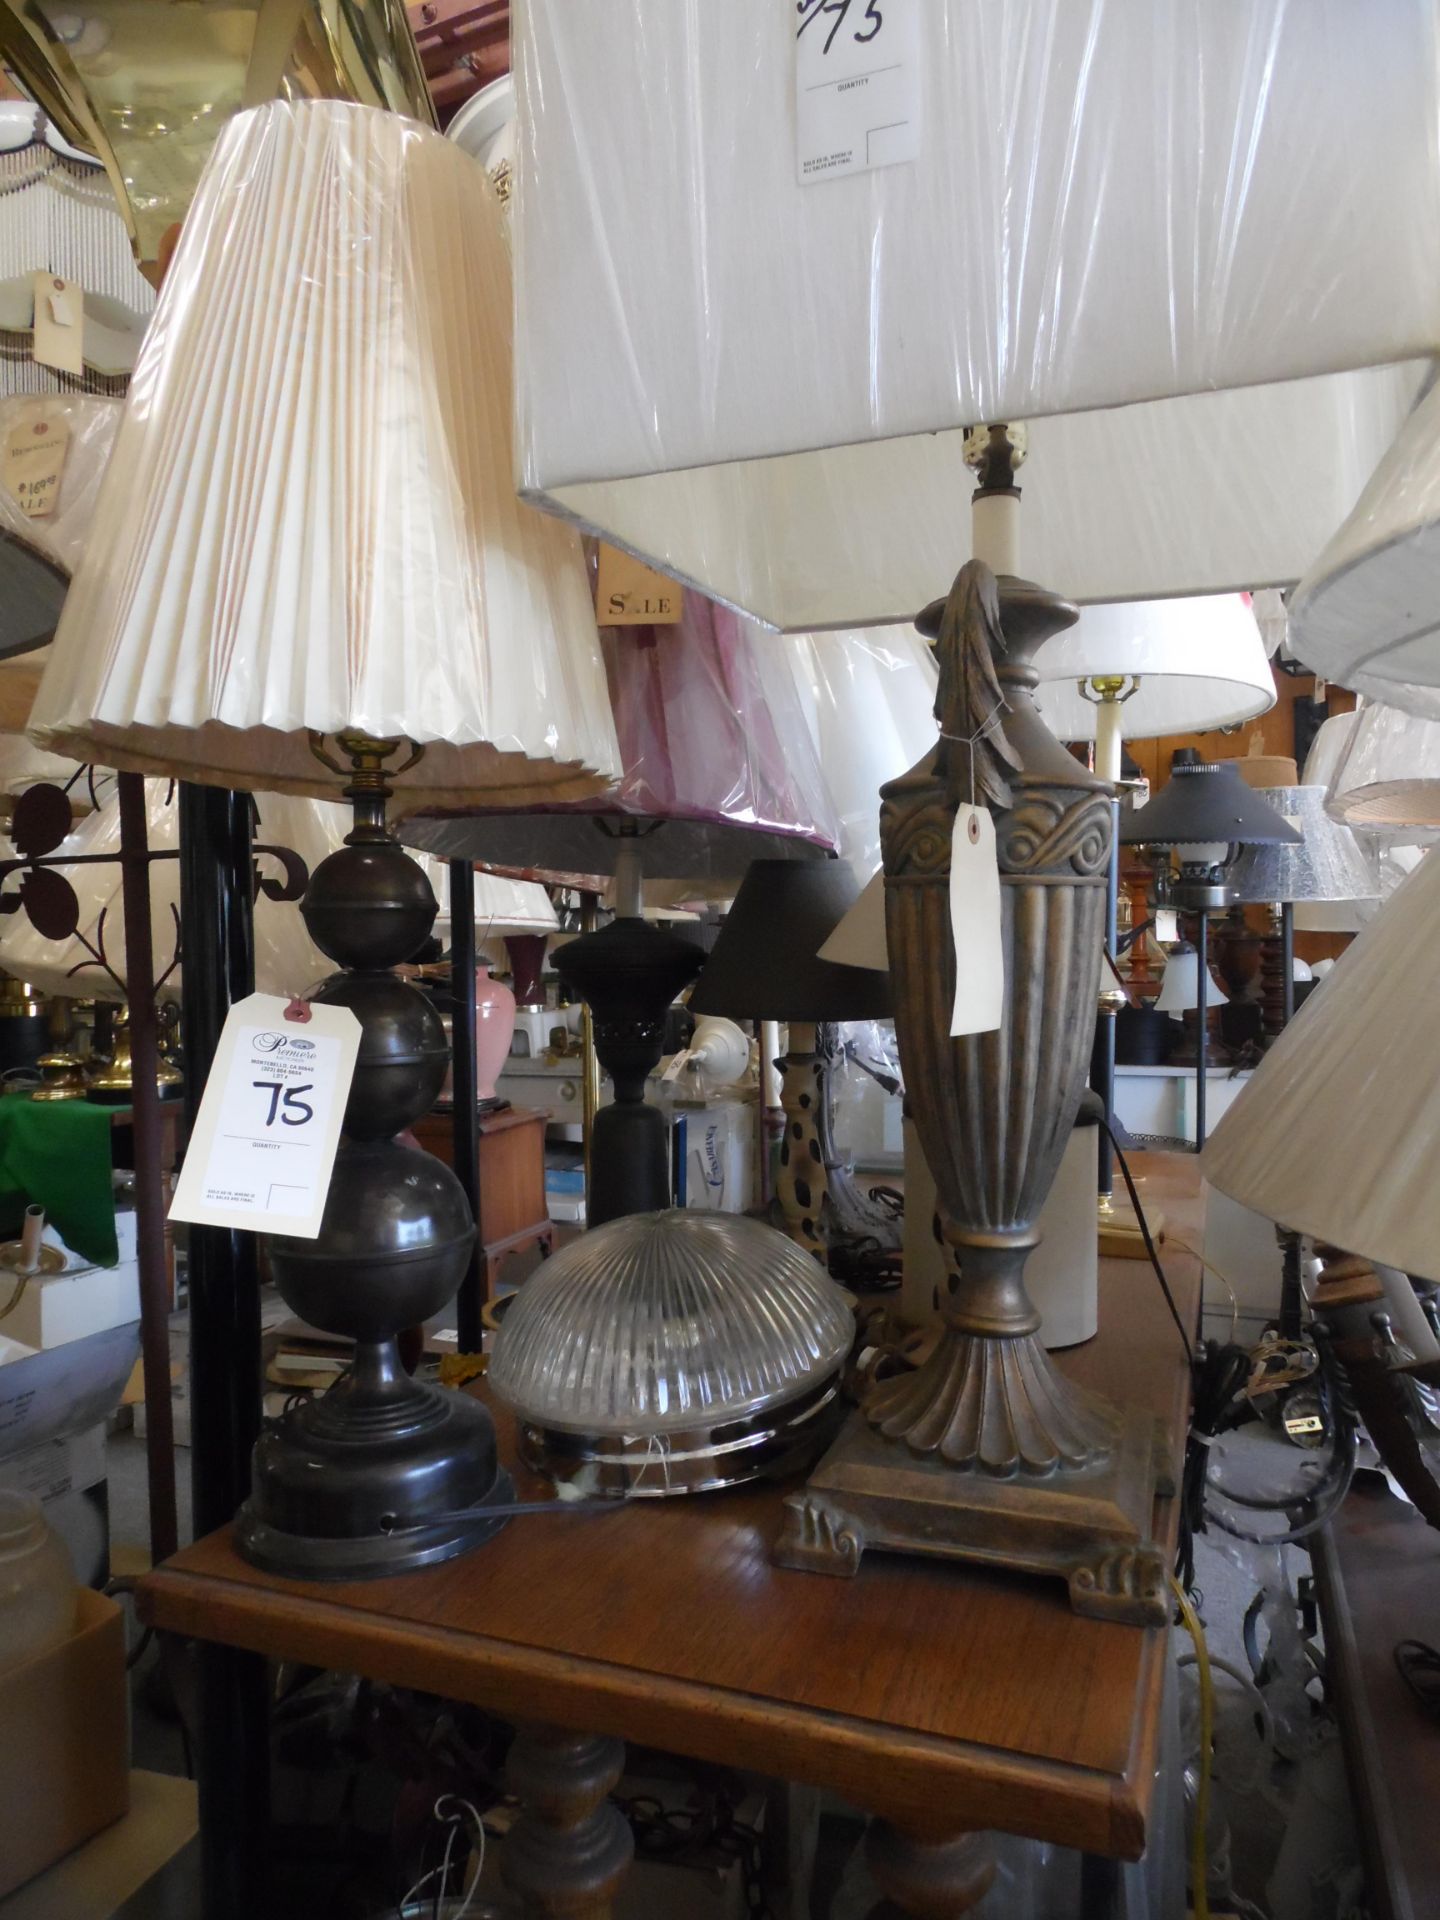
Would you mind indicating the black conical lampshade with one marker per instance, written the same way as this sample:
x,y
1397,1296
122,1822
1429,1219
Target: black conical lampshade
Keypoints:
x,y
766,963
1206,802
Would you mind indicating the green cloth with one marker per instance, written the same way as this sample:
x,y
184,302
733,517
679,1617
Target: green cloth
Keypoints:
x,y
56,1153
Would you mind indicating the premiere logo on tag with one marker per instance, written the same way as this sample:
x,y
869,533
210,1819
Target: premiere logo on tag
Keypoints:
x,y
269,1122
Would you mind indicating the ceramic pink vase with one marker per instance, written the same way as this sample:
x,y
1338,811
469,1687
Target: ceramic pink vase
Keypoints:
x,y
494,1029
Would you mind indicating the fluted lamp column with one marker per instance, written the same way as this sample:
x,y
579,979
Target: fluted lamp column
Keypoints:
x,y
309,574
947,1459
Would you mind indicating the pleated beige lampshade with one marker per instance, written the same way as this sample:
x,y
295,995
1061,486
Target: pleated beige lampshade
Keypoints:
x,y
1335,1133
309,523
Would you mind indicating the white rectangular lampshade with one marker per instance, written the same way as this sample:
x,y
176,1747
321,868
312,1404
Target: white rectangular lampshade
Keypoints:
x,y
765,385
1335,1133
309,522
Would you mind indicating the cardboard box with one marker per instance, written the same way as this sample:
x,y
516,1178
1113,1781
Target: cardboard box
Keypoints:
x,y
48,1396
64,1743
68,1306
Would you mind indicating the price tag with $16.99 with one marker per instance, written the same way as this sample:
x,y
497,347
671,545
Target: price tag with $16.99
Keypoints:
x,y
265,1138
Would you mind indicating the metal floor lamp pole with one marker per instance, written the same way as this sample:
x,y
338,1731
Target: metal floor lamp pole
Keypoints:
x,y
233,1743
464,1088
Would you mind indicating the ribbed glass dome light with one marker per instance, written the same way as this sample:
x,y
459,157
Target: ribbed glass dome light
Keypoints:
x,y
668,1351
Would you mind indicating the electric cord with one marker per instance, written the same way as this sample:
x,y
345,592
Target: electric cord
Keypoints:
x,y
1199,1840
1324,1499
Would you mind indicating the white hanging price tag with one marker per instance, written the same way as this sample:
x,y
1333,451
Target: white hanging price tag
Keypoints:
x,y
857,86
678,1063
975,924
59,337
1167,926
265,1137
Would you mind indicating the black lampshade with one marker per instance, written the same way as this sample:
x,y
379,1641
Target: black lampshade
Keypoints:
x,y
1206,801
32,592
766,963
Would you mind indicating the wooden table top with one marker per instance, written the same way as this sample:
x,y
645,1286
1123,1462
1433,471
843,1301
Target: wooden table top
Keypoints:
x,y
665,1623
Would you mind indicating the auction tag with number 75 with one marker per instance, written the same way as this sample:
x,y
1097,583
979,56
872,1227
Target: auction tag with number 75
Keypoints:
x,y
269,1122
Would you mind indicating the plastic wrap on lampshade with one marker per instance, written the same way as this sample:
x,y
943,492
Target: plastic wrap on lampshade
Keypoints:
x,y
37,555
1365,613
286,961
1189,664
309,522
1335,1133
1081,240
1328,863
669,1346
1387,778
870,700
58,213
716,748
501,905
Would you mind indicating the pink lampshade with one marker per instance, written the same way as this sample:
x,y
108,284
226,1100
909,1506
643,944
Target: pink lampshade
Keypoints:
x,y
715,746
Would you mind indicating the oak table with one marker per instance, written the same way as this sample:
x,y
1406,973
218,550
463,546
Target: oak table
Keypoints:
x,y
945,1699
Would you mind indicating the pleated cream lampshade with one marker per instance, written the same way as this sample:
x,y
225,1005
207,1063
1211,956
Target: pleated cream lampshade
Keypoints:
x,y
1334,1135
309,523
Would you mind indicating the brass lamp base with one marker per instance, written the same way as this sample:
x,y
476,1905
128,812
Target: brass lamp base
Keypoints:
x,y
1091,1527
1118,1225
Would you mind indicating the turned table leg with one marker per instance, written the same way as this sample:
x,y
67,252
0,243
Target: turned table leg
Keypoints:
x,y
569,1849
931,1878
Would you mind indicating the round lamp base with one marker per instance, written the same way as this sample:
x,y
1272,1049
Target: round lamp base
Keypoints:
x,y
345,1499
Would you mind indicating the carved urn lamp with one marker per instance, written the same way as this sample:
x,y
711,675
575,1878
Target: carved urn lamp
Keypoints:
x,y
312,576
986,1452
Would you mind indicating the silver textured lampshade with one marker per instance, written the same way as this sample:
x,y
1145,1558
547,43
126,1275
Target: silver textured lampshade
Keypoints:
x,y
1335,1133
1327,864
666,1352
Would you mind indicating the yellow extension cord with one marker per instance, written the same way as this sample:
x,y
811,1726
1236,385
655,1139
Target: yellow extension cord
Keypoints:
x,y
1199,1863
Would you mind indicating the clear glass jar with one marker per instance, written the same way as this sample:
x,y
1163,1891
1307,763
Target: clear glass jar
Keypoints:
x,y
37,1582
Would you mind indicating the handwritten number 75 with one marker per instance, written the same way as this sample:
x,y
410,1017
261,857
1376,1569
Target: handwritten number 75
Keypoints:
x,y
812,10
297,1111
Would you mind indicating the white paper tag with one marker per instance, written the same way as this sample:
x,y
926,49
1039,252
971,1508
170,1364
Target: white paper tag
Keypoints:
x,y
857,86
59,337
265,1137
975,924
678,1063
1167,925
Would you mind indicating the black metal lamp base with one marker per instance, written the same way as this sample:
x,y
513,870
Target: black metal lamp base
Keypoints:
x,y
303,1556
352,1492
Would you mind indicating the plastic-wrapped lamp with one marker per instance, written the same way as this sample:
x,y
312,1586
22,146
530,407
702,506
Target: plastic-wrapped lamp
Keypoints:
x,y
1386,781
816,488
718,766
312,574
